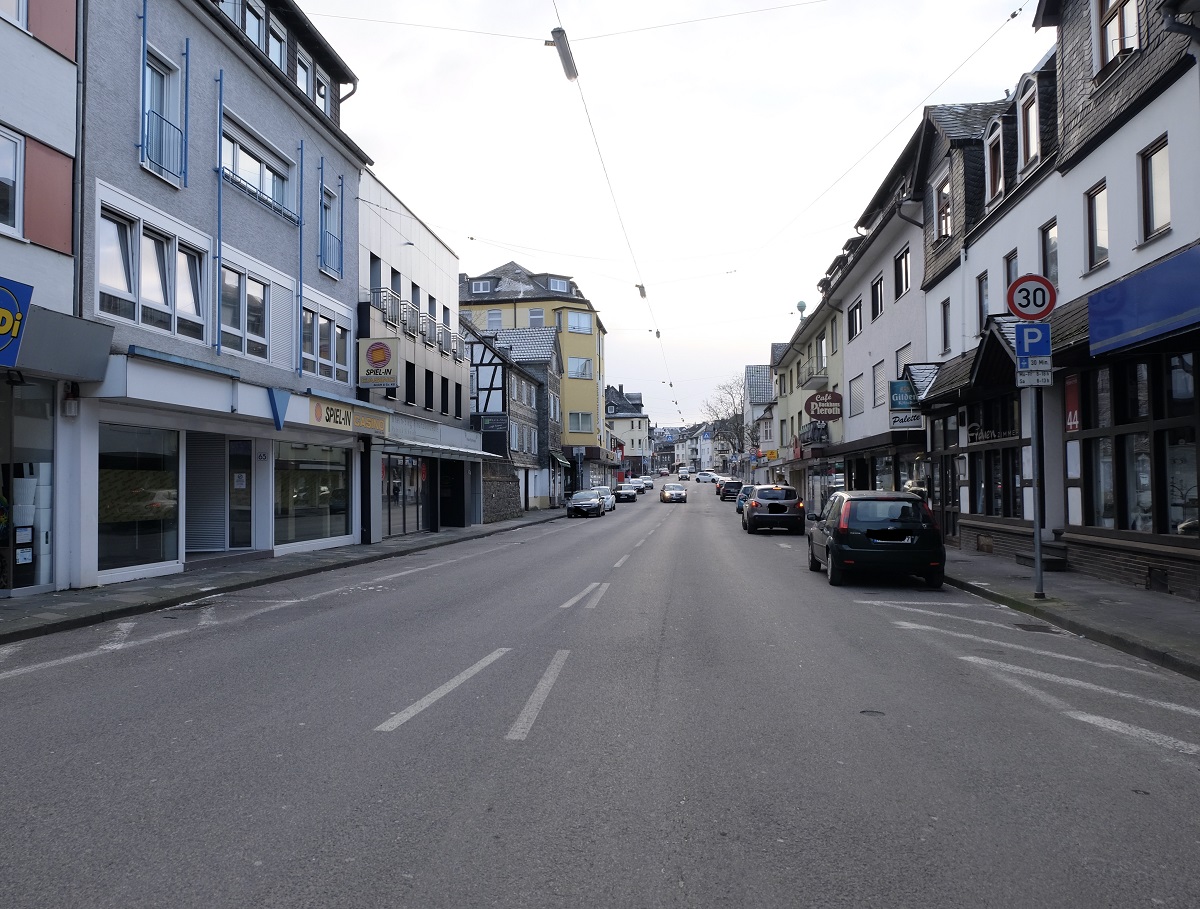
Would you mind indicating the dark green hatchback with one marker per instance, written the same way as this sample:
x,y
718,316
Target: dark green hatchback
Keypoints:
x,y
873,530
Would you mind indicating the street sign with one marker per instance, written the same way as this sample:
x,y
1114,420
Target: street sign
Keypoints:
x,y
1035,378
1027,363
1033,339
1031,297
901,395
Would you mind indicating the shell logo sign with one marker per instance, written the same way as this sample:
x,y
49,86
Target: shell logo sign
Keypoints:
x,y
378,355
14,304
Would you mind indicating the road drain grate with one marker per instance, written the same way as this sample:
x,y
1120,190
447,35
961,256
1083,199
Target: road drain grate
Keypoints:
x,y
1044,629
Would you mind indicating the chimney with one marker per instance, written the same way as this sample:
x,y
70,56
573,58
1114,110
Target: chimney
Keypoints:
x,y
621,389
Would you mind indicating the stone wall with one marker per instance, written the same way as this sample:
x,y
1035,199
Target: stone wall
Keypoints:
x,y
501,492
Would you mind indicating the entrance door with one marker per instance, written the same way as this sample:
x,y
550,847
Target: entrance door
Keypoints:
x,y
241,499
26,455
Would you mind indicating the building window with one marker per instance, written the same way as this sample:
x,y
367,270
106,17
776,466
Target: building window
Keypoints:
x,y
981,299
560,286
277,46
331,232
945,223
877,297
446,316
252,169
833,335
495,320
854,319
856,396
243,313
995,162
322,93
325,347
1011,269
304,73
537,318
579,367
579,422
255,20
481,287
579,322
14,11
945,326
410,382
1030,128
431,305
1156,189
879,380
446,395
163,148
458,400
429,389
149,276
12,182
904,356
1118,29
1097,225
1049,244
901,271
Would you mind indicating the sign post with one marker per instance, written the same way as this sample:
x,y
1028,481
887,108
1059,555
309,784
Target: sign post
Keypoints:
x,y
1032,297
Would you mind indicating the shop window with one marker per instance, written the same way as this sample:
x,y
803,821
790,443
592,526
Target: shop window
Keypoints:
x,y
1180,397
1183,503
138,496
1103,492
1138,500
1132,381
312,492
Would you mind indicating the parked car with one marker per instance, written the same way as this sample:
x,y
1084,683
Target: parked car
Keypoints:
x,y
874,531
773,506
744,493
606,494
626,492
704,476
584,504
647,480
730,489
673,492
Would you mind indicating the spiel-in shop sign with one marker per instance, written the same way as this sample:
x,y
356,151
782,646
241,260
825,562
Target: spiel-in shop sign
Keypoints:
x,y
824,405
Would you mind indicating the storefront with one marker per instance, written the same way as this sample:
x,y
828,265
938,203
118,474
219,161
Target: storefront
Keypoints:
x,y
407,505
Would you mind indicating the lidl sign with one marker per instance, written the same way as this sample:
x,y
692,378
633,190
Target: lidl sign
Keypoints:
x,y
14,305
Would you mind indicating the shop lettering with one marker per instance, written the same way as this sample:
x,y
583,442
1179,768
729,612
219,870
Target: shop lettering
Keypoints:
x,y
374,424
338,417
10,322
384,371
976,433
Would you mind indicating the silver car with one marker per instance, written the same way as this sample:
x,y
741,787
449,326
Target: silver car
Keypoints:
x,y
773,506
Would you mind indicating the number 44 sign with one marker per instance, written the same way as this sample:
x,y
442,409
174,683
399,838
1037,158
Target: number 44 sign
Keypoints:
x,y
1031,297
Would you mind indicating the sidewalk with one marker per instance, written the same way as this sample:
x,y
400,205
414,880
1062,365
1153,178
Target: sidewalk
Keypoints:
x,y
1156,627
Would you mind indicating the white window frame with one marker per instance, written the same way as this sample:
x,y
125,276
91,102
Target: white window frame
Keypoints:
x,y
331,225
305,61
577,425
17,141
239,338
326,102
1152,225
579,321
943,215
514,437
559,285
238,144
856,395
170,114
140,221
260,13
854,321
495,320
1029,144
21,15
879,382
579,368
540,320
993,162
276,31
481,287
318,320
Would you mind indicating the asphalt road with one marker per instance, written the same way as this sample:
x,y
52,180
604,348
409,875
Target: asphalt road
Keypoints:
x,y
648,709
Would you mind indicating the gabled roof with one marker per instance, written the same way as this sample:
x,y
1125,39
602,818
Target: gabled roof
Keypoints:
x,y
1048,12
515,282
964,122
625,407
537,345
922,376
779,349
953,375
759,387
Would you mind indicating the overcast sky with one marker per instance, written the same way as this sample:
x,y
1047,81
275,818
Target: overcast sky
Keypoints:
x,y
717,151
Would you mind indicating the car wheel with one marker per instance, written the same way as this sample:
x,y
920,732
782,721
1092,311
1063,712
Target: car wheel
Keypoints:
x,y
935,579
749,525
813,564
834,571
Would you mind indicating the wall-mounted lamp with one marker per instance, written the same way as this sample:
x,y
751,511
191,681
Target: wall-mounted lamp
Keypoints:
x,y
564,53
70,399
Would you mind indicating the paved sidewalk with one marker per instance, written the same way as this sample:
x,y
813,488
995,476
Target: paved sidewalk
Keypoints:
x,y
1156,627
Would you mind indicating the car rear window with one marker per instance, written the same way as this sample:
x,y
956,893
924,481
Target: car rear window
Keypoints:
x,y
885,511
775,493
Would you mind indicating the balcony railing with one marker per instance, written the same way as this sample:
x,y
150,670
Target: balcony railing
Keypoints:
x,y
331,252
388,302
816,376
444,338
428,328
164,146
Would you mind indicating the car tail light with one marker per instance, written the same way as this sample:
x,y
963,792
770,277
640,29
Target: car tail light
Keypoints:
x,y
844,518
929,514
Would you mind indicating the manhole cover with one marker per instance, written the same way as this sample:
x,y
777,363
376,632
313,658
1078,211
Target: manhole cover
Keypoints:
x,y
1044,629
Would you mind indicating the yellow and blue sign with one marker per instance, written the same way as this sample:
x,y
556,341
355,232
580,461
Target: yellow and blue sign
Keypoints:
x,y
14,306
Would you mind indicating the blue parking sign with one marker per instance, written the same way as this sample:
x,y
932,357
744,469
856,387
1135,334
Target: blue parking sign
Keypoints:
x,y
1033,339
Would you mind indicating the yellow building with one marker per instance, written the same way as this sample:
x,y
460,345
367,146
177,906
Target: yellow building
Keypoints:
x,y
511,296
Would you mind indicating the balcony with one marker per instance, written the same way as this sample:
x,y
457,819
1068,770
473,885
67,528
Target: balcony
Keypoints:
x,y
428,328
444,338
816,376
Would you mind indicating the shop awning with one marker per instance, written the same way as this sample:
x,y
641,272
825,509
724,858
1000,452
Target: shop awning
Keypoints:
x,y
434,450
560,459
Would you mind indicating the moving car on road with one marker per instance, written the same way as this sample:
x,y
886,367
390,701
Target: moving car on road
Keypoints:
x,y
647,480
704,476
673,492
585,504
773,506
626,492
873,530
606,495
637,484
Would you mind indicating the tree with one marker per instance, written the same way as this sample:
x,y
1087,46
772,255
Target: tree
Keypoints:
x,y
725,408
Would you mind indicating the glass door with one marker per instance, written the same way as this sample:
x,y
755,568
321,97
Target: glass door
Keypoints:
x,y
26,484
241,498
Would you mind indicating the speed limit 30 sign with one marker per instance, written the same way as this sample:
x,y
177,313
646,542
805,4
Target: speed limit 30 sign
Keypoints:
x,y
1031,297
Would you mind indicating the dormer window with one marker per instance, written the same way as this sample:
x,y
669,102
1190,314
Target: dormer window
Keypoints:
x,y
559,285
1028,139
481,287
945,223
995,162
1118,29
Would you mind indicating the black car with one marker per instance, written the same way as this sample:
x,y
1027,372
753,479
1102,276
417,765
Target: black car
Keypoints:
x,y
626,492
876,531
585,503
730,489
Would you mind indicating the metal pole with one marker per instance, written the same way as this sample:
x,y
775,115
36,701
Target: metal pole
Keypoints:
x,y
1035,439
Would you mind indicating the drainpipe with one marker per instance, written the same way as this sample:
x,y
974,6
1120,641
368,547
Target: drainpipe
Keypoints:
x,y
353,88
77,176
962,276
1172,24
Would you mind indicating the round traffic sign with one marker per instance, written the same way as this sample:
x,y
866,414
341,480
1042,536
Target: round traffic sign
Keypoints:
x,y
1031,297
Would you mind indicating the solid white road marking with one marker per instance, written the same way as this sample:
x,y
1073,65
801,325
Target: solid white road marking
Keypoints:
x,y
1049,653
579,596
621,561
412,710
591,604
119,637
1076,683
524,722
208,616
940,615
1137,732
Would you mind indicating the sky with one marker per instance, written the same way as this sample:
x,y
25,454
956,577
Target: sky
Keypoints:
x,y
717,152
